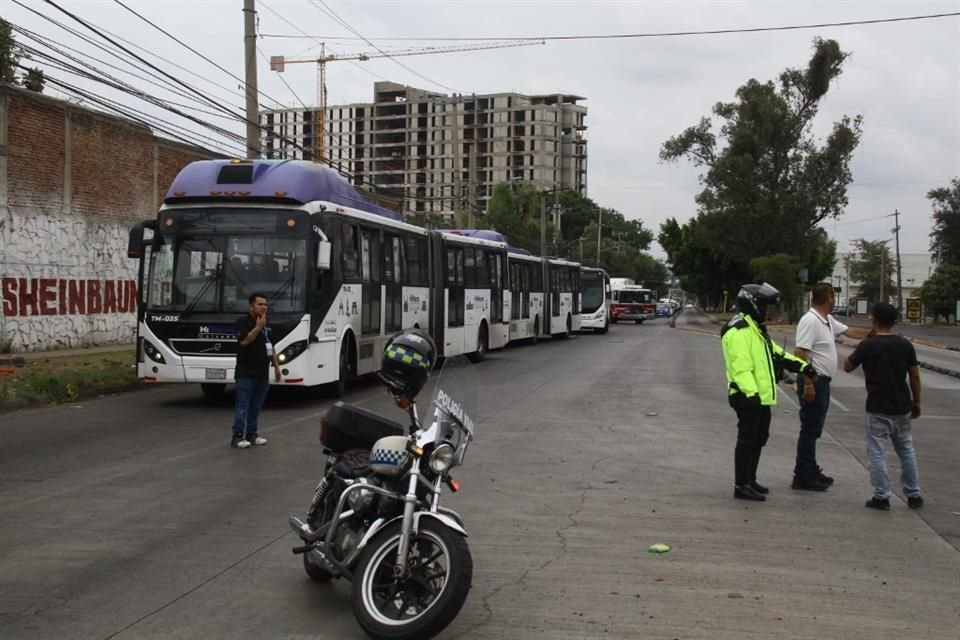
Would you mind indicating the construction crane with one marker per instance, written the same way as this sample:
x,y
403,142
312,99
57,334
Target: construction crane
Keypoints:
x,y
278,63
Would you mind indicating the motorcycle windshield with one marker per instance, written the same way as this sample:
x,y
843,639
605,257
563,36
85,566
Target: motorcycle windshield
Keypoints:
x,y
455,403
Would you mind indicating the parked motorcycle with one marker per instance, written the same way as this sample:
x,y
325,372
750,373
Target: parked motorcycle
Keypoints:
x,y
376,518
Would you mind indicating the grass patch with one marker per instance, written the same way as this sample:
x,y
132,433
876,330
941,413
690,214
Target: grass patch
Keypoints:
x,y
56,379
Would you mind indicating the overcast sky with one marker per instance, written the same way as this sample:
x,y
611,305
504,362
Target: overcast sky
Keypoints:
x,y
903,77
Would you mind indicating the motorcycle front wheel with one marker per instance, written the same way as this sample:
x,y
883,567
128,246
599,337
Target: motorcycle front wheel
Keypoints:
x,y
423,604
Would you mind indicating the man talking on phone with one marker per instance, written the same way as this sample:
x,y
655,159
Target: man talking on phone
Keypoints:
x,y
255,353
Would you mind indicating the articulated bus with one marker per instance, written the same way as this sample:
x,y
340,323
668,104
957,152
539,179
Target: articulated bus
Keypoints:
x,y
595,293
341,276
545,296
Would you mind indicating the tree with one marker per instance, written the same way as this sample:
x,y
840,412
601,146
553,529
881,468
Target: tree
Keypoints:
x,y
10,54
945,237
871,264
769,185
33,80
781,271
941,291
514,211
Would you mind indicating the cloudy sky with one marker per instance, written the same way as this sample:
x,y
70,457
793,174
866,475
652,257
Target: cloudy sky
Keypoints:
x,y
903,77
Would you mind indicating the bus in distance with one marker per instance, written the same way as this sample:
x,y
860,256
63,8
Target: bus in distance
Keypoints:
x,y
595,293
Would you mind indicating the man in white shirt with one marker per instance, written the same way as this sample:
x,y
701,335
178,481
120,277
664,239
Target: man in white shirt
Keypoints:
x,y
816,342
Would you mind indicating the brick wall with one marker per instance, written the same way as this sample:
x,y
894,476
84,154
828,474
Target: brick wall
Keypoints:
x,y
72,181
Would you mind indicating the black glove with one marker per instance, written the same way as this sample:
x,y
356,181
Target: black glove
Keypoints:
x,y
809,371
753,402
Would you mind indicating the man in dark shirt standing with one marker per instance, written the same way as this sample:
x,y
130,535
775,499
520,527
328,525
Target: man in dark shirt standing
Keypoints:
x,y
887,361
254,355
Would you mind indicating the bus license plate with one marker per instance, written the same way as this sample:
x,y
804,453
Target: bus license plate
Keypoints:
x,y
216,374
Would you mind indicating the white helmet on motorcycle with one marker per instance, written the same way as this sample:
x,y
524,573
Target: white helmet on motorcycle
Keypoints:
x,y
389,456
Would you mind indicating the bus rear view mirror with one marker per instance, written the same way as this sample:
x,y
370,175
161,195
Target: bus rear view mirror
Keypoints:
x,y
140,235
323,254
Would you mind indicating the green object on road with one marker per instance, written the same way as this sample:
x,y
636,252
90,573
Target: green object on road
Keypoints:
x,y
658,548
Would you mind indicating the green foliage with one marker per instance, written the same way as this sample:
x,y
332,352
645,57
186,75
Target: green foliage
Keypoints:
x,y
780,270
10,54
66,378
869,259
6,345
941,291
33,80
945,237
769,185
514,211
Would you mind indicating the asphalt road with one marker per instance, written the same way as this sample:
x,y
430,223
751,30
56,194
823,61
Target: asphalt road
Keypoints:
x,y
130,517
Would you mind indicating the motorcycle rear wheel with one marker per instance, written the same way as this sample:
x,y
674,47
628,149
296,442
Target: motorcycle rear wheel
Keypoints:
x,y
441,570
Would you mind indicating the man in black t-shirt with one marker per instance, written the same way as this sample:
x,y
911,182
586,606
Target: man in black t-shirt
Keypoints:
x,y
888,359
252,376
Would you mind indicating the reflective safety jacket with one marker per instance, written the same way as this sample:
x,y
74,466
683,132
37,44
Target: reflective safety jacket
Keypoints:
x,y
752,359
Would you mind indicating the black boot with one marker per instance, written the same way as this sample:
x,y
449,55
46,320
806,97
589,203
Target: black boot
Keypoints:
x,y
747,492
754,463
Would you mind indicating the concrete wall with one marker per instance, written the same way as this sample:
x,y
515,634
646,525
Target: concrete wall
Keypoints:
x,y
72,181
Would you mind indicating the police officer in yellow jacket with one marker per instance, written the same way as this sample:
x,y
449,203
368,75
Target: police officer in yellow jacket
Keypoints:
x,y
753,360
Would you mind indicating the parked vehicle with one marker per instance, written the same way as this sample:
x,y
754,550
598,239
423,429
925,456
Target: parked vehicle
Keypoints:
x,y
376,518
664,310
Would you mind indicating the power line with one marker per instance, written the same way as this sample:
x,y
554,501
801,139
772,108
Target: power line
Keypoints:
x,y
358,66
216,104
280,76
357,33
188,47
124,59
656,34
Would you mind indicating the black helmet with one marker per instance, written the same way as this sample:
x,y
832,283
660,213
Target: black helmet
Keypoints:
x,y
407,362
754,299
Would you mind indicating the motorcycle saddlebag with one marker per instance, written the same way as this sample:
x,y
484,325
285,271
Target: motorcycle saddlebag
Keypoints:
x,y
346,427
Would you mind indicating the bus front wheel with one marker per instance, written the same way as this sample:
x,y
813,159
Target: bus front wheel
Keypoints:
x,y
339,388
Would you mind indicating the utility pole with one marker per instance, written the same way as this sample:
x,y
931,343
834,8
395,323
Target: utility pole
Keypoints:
x,y
896,231
543,225
250,54
599,225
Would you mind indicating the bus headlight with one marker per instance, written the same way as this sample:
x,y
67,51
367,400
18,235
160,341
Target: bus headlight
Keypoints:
x,y
441,459
152,352
292,351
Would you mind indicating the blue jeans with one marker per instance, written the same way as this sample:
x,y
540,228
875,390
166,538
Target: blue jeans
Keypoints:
x,y
812,416
251,393
898,430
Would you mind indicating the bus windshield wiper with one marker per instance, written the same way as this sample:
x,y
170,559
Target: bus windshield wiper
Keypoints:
x,y
214,277
283,287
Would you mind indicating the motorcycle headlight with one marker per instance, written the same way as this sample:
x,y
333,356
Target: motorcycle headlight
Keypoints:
x,y
441,459
152,352
292,351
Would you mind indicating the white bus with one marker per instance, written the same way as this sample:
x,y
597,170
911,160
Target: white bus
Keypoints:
x,y
562,306
595,294
341,276
526,295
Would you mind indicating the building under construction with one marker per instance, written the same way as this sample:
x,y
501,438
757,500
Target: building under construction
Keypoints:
x,y
426,152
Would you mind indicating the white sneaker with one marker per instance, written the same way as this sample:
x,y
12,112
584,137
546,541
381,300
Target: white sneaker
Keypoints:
x,y
258,441
239,443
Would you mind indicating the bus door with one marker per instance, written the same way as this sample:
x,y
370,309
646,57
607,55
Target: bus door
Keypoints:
x,y
556,276
393,287
495,271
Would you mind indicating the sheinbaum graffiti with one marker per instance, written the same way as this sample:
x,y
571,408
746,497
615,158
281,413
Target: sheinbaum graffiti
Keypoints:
x,y
66,296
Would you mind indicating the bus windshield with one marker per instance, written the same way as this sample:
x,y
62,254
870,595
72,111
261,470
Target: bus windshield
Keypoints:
x,y
591,290
212,263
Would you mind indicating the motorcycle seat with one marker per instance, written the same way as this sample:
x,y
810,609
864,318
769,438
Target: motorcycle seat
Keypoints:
x,y
354,463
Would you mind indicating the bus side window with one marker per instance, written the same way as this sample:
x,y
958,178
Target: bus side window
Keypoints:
x,y
350,253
